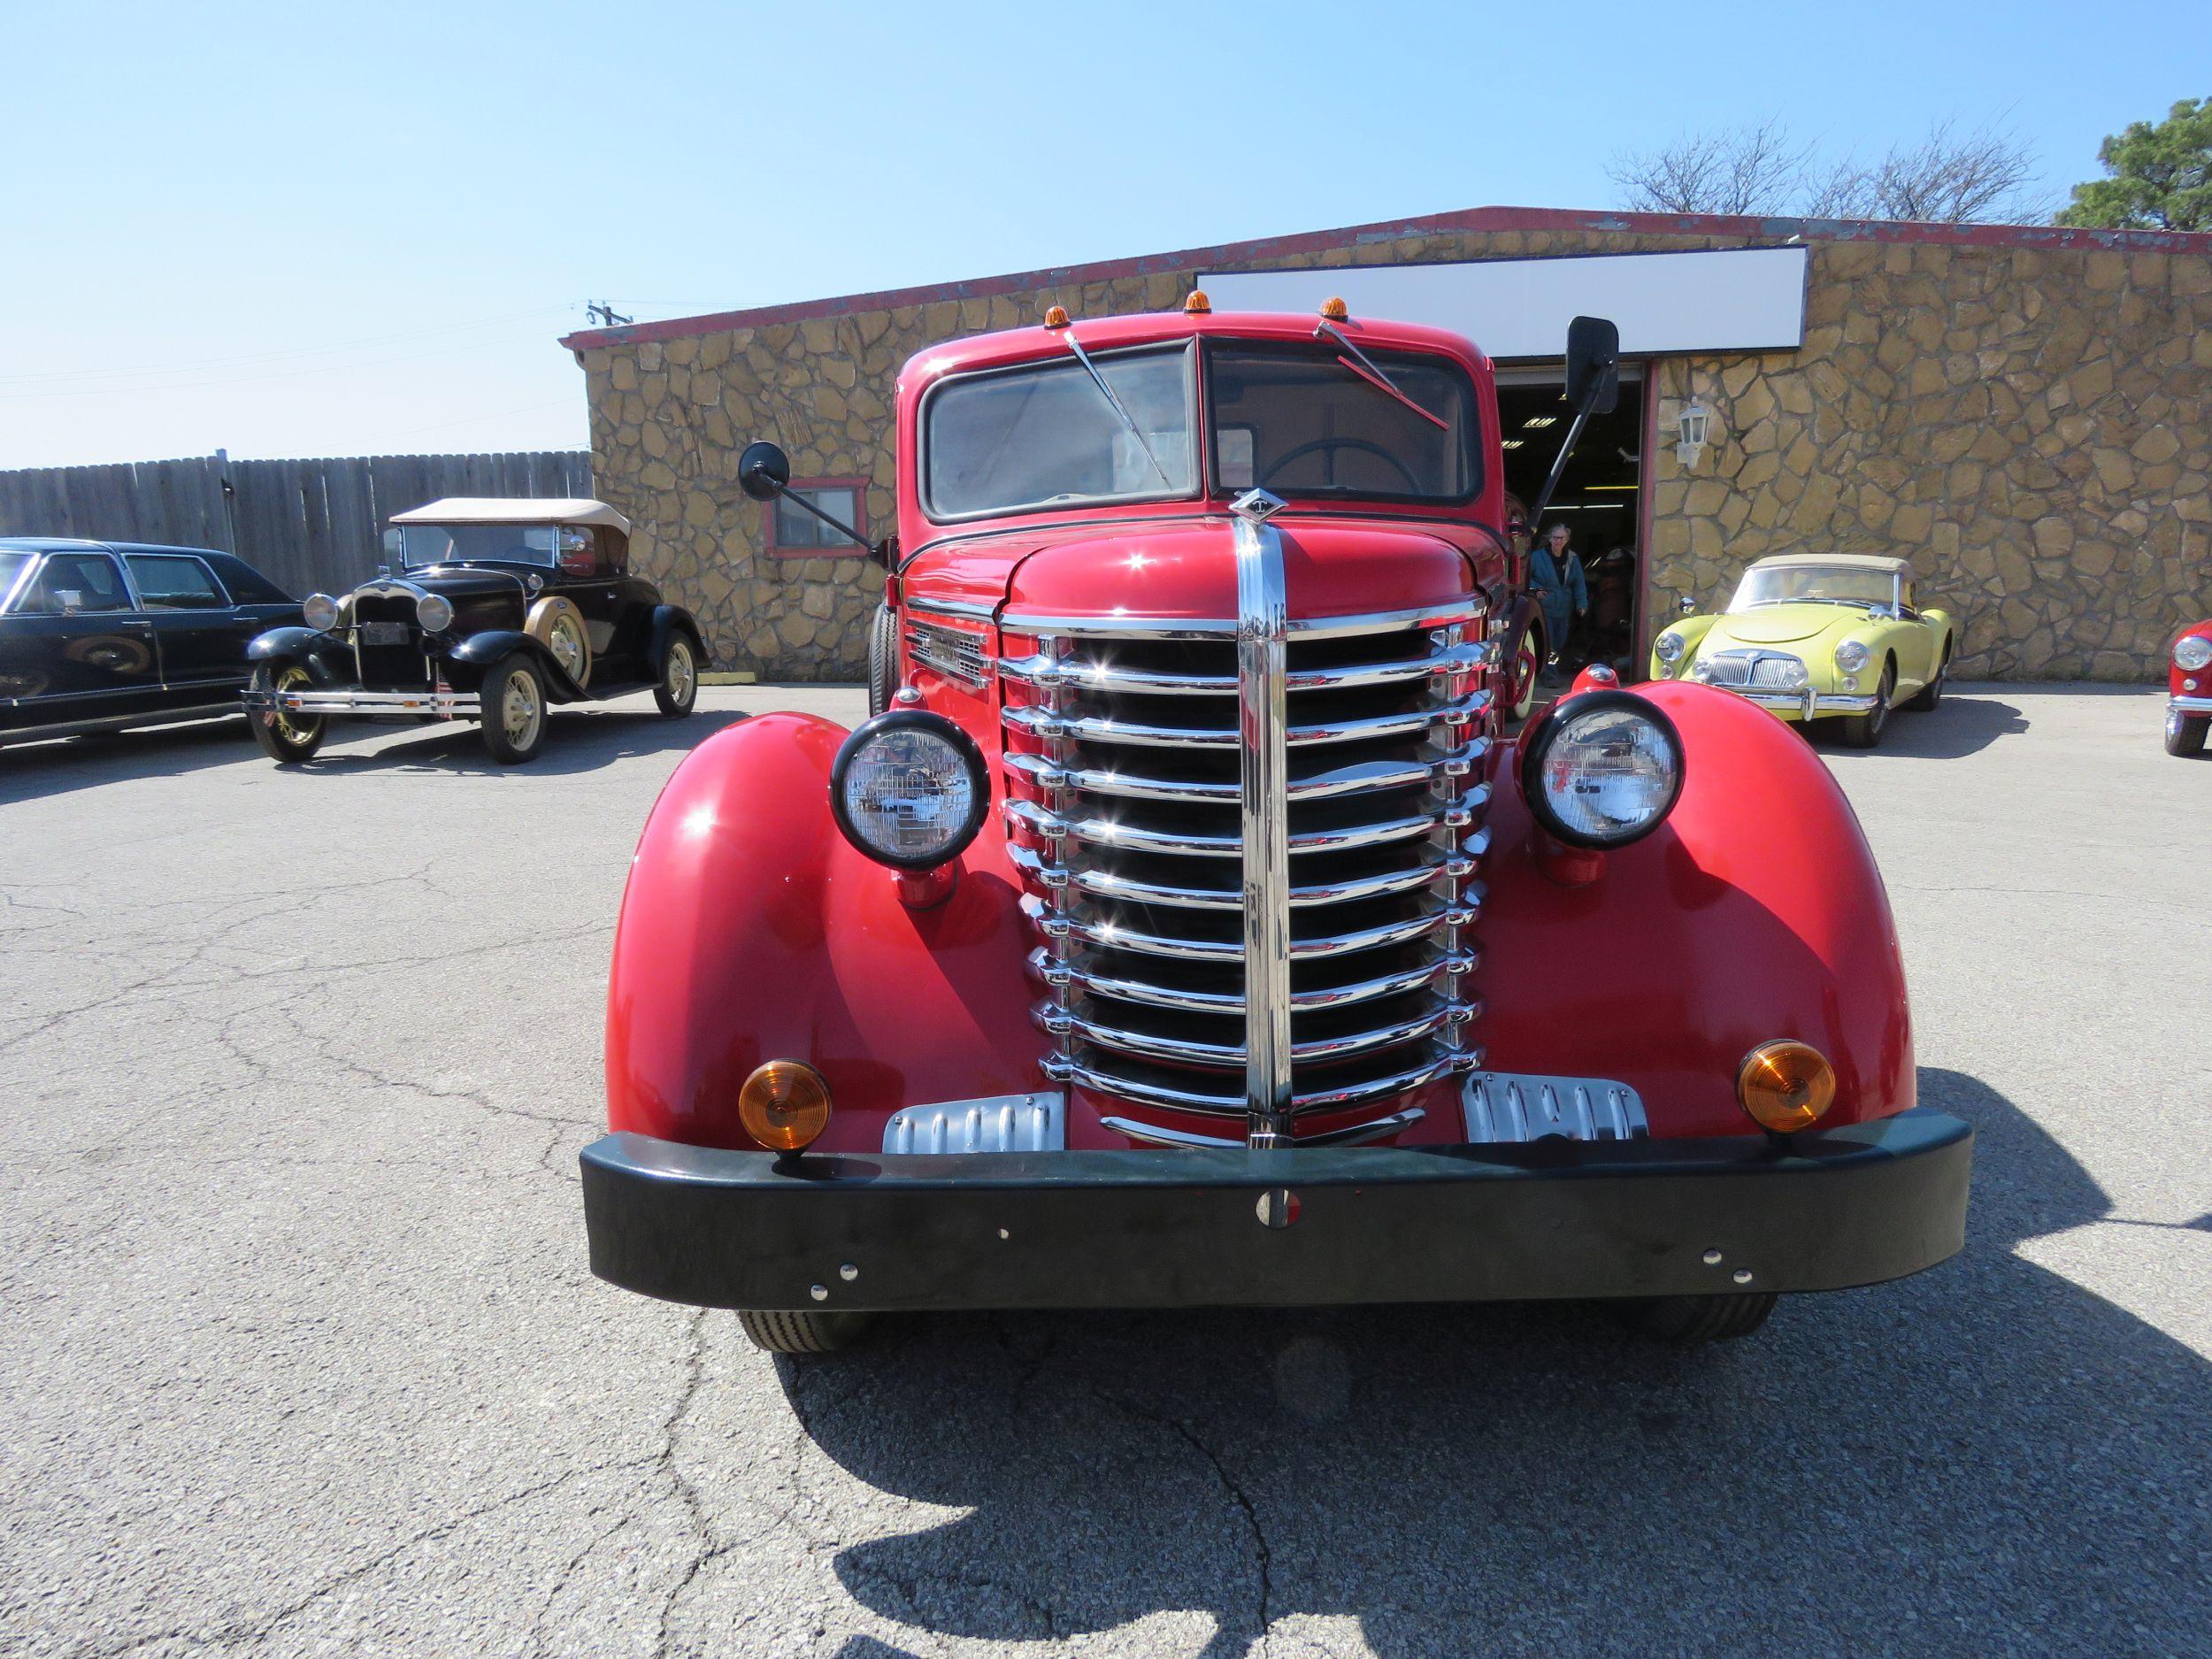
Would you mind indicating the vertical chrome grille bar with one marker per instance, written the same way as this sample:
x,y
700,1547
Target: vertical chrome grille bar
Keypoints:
x,y
1263,625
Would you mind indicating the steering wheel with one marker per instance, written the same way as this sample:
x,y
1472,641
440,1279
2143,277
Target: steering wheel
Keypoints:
x,y
1413,484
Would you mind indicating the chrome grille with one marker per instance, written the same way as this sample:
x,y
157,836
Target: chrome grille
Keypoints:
x,y
956,655
1753,671
1123,806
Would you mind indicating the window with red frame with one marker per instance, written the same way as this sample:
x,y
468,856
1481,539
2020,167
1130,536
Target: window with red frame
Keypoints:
x,y
795,533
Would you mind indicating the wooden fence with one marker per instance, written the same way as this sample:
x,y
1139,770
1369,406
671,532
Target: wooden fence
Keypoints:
x,y
308,524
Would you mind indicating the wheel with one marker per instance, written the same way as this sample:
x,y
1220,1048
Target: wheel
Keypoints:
x,y
808,1332
565,639
1863,731
883,658
513,710
1690,1320
1931,694
2185,733
678,688
1528,662
287,739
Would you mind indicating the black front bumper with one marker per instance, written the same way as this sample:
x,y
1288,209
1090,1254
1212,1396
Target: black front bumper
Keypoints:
x,y
1177,1229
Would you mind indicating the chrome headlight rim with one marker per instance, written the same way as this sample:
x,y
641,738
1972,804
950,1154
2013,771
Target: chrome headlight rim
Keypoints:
x,y
1670,648
434,612
1852,656
868,734
1557,720
2193,651
319,611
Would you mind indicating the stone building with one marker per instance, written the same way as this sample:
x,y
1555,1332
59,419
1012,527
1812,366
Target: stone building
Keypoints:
x,y
2022,410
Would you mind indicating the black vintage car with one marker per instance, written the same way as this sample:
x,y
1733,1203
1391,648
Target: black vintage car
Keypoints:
x,y
491,610
99,635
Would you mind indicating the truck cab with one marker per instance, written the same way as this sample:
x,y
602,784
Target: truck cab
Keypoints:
x,y
1187,926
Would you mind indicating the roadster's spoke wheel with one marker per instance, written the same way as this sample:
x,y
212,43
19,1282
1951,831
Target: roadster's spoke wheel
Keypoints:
x,y
513,710
808,1332
1691,1320
285,738
678,687
2185,733
1863,731
566,640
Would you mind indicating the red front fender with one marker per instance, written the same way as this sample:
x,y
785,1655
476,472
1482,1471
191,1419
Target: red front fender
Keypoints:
x,y
752,930
1754,912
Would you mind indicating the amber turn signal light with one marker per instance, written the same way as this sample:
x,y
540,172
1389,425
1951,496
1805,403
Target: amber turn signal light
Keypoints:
x,y
1334,310
1786,1085
784,1105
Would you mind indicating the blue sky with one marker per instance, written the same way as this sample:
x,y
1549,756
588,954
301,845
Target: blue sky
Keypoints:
x,y
301,230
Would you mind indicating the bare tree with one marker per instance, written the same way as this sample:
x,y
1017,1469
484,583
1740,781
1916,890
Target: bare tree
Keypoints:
x,y
1740,170
1946,178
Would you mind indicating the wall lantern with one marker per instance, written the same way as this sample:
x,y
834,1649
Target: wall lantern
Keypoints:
x,y
1692,426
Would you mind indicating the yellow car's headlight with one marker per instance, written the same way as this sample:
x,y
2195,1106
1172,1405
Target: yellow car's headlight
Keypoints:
x,y
1669,649
1851,657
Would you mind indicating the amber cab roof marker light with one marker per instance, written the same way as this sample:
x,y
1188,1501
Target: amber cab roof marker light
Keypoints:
x,y
784,1105
1334,310
1786,1085
1056,317
1198,305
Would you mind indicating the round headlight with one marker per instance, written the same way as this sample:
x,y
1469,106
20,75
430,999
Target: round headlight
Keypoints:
x,y
320,613
2193,651
1851,656
435,611
1670,648
1602,769
909,790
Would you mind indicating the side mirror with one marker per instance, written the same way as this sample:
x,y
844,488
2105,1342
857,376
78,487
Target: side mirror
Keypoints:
x,y
762,470
1688,606
1594,364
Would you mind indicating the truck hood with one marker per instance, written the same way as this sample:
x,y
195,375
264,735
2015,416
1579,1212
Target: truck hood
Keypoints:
x,y
1187,571
1785,624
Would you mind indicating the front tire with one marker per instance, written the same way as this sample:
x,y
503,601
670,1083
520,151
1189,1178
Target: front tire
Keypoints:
x,y
1863,731
2185,733
883,658
286,739
1528,663
807,1332
1692,1321
513,710
678,687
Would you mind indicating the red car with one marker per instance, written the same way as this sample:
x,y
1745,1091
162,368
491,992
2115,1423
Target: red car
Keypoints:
x,y
1184,931
2189,700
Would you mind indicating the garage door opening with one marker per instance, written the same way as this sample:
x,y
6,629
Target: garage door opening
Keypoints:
x,y
1599,500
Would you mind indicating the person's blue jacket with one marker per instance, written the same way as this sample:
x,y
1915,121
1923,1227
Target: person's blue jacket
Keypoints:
x,y
1560,593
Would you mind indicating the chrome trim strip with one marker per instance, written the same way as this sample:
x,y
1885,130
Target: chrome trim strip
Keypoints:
x,y
1107,678
996,1123
1806,705
1316,950
1361,778
1190,1051
112,722
2189,705
1035,722
1097,984
1515,1107
951,608
1107,884
1358,1134
1464,609
1095,832
1263,686
1232,1105
367,701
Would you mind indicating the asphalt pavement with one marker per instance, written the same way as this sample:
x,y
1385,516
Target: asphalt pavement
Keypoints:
x,y
302,1356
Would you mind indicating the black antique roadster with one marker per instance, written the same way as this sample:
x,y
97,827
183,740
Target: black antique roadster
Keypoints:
x,y
491,610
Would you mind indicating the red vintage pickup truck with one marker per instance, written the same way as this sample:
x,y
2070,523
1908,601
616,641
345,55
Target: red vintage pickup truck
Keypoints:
x,y
1186,927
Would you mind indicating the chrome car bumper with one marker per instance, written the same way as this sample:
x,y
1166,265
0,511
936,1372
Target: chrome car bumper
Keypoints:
x,y
1227,1226
2189,705
1808,704
440,702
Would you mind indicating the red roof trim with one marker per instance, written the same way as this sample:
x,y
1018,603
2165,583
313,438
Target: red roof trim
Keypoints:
x,y
1479,218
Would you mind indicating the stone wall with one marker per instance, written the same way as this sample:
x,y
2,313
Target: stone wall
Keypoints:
x,y
2030,425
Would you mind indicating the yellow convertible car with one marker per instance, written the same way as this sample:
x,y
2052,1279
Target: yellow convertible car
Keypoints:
x,y
1816,636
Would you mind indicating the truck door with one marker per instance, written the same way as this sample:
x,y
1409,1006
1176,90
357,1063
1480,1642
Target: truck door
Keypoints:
x,y
74,648
201,634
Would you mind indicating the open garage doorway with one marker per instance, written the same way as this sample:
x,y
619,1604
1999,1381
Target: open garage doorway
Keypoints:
x,y
1599,500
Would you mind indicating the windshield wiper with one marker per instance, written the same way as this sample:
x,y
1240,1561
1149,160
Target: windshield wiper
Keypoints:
x,y
1366,370
1107,392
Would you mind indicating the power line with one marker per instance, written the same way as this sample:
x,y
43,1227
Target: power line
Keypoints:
x,y
606,317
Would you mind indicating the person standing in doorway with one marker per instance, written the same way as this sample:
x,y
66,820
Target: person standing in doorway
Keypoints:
x,y
1554,572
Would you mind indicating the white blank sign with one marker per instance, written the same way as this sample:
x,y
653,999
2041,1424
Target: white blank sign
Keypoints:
x,y
1736,299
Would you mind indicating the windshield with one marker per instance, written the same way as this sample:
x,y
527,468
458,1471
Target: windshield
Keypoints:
x,y
1828,584
1305,420
449,543
1044,435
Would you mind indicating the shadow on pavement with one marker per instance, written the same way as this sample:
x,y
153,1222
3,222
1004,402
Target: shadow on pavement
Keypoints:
x,y
29,771
1958,725
1984,1458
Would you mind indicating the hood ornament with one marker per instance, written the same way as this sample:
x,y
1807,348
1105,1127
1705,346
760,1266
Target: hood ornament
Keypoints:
x,y
1257,506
